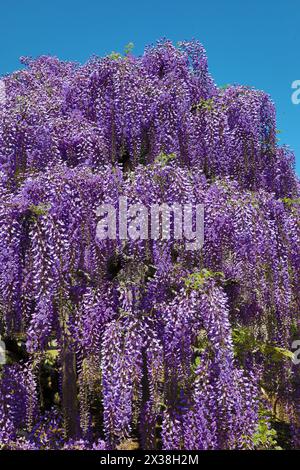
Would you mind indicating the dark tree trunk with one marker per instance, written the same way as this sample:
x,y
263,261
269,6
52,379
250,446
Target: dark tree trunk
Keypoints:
x,y
69,393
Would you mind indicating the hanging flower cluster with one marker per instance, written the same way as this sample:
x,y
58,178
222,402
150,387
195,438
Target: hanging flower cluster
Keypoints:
x,y
141,342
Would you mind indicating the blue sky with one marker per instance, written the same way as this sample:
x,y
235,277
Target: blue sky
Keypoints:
x,y
253,43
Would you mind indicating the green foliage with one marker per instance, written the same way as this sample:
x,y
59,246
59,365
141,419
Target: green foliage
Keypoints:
x,y
196,281
51,354
276,353
207,105
163,158
41,209
290,202
202,344
115,55
265,437
244,341
127,51
128,48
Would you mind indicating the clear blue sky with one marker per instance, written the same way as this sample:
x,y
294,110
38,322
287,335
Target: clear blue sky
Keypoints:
x,y
254,43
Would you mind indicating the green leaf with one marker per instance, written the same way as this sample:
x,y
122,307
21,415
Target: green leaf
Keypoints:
x,y
128,48
195,281
244,341
164,159
41,209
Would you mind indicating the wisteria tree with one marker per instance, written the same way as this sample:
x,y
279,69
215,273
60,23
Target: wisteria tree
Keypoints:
x,y
115,343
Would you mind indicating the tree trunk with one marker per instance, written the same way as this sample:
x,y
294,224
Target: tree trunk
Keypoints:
x,y
69,393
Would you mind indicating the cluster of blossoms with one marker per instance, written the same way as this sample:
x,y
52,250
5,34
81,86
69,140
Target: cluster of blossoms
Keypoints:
x,y
114,341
